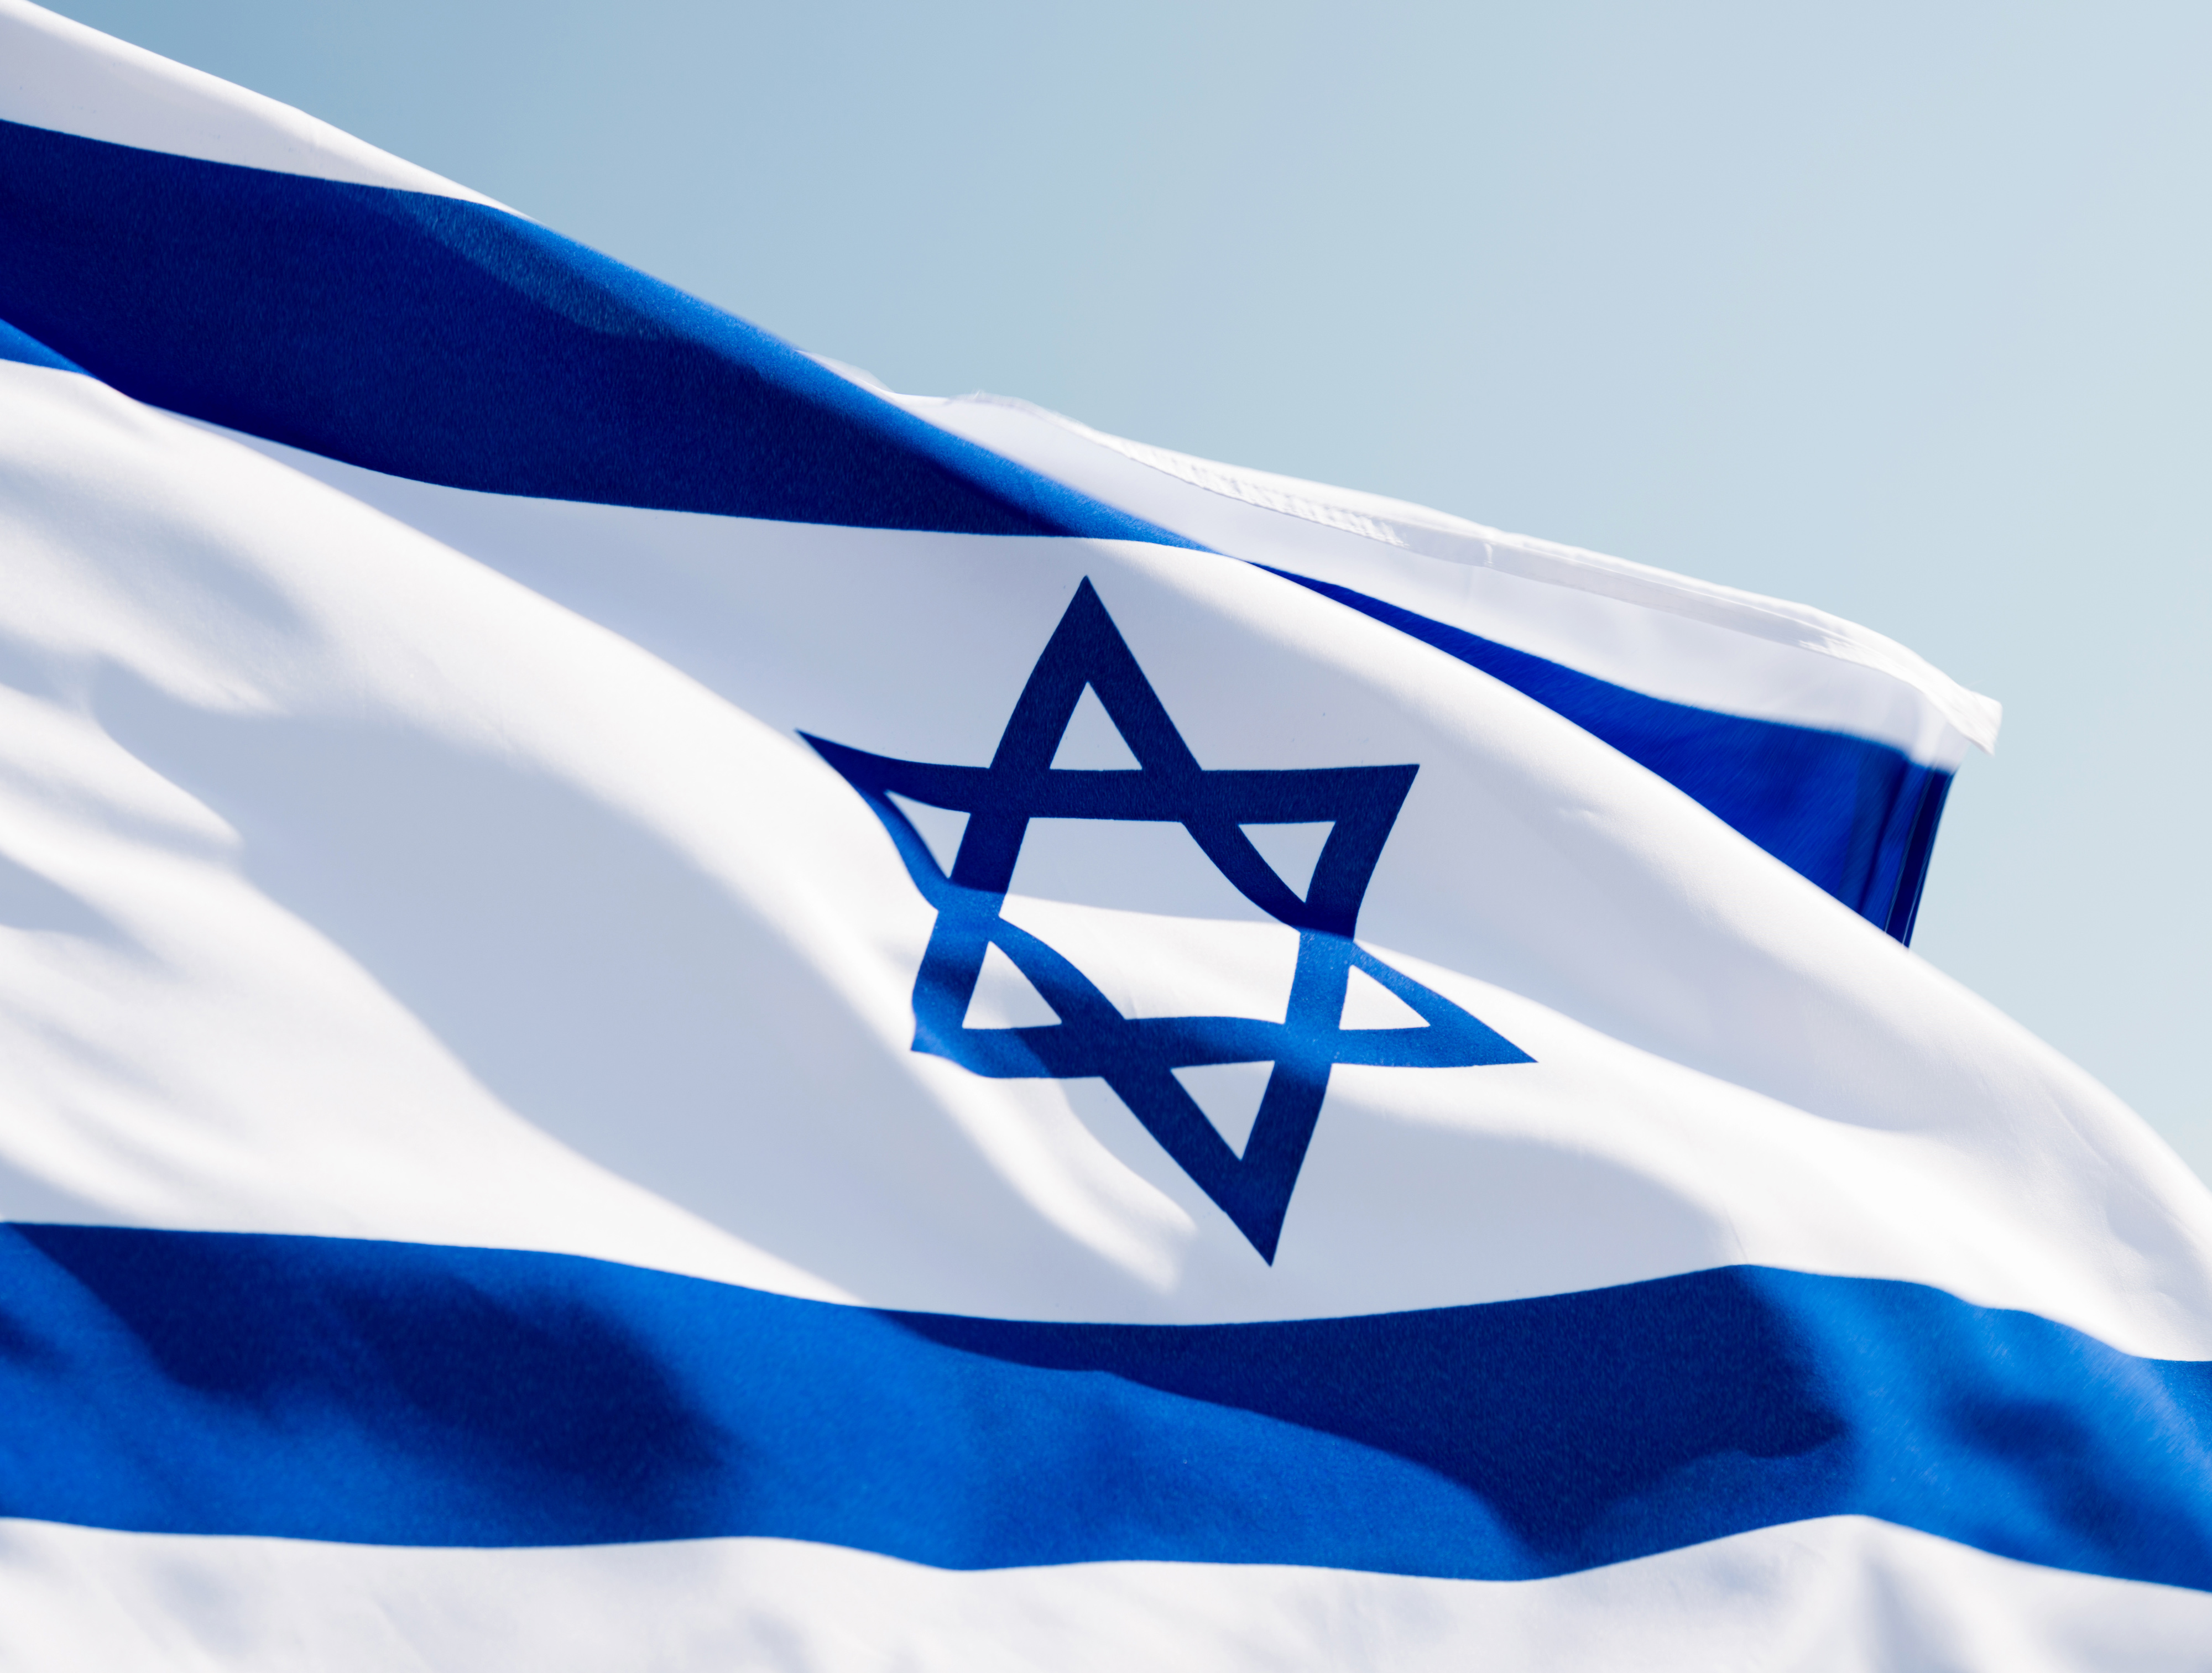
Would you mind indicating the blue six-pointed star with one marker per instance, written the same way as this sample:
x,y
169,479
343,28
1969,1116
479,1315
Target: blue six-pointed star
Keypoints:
x,y
1136,1056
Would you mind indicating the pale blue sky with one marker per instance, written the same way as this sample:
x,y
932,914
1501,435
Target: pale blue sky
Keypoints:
x,y
1900,311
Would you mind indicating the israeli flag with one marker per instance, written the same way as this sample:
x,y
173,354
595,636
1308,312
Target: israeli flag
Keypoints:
x,y
660,1010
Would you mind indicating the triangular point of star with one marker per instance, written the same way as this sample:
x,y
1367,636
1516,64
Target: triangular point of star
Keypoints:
x,y
1092,742
1369,1004
1292,850
1005,998
1229,1095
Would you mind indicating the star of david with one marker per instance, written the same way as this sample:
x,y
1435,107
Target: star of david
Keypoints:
x,y
1136,1056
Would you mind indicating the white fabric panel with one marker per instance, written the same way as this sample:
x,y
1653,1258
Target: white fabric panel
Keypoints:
x,y
1837,1596
465,882
60,75
1666,635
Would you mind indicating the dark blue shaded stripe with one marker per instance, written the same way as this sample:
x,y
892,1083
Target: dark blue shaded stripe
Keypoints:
x,y
433,338
29,351
1856,818
400,1394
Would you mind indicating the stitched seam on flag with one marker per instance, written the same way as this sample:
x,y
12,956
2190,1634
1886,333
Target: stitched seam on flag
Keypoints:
x,y
1417,528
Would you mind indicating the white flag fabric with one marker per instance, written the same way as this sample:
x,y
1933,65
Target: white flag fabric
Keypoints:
x,y
665,1010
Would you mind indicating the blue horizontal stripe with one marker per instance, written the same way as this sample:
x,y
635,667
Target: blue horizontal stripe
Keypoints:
x,y
1856,818
401,1394
444,341
433,338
